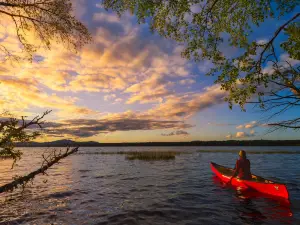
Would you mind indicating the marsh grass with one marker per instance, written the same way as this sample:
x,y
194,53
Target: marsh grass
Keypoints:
x,y
141,155
149,156
249,152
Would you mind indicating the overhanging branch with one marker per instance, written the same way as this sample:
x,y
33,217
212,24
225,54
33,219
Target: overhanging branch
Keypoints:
x,y
21,181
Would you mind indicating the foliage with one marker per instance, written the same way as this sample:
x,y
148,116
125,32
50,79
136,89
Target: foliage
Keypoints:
x,y
13,130
292,44
206,27
48,20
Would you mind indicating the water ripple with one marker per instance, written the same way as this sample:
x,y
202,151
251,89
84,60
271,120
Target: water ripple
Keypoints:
x,y
110,190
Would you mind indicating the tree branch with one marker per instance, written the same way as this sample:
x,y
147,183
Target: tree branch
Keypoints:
x,y
21,181
275,36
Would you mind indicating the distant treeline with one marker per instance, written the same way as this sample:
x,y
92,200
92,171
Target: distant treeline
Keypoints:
x,y
64,143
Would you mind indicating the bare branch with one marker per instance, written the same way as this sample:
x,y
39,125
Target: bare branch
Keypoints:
x,y
21,181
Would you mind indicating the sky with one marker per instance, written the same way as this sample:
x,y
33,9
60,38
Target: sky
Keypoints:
x,y
127,85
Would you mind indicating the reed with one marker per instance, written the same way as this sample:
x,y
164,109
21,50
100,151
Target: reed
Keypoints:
x,y
141,155
150,156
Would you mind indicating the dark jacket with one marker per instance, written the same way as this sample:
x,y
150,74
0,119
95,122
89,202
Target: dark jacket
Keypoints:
x,y
242,169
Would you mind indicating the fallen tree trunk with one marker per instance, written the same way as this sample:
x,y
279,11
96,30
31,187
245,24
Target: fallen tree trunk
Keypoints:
x,y
25,179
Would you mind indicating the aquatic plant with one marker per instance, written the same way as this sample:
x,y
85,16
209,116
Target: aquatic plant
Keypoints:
x,y
148,156
140,155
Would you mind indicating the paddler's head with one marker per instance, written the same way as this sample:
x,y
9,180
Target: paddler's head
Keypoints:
x,y
242,154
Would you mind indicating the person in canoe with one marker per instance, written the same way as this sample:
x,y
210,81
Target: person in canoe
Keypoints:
x,y
242,168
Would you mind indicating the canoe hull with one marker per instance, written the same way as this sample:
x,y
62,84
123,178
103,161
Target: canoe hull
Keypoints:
x,y
225,178
265,186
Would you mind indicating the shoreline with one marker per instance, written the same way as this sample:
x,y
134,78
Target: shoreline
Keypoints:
x,y
66,143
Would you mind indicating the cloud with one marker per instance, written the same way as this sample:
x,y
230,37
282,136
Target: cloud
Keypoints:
x,y
240,134
205,66
97,82
188,104
229,136
251,125
146,97
262,41
117,100
284,62
187,81
80,8
221,124
91,127
176,133
124,63
109,64
109,97
21,94
114,61
240,127
111,18
248,125
152,89
154,81
245,134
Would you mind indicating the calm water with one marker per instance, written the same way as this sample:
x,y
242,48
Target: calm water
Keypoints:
x,y
108,189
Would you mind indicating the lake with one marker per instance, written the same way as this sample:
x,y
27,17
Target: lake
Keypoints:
x,y
108,189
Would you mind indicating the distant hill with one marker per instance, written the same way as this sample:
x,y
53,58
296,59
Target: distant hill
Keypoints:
x,y
58,143
64,143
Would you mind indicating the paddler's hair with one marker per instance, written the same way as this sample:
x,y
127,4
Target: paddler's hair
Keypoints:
x,y
242,154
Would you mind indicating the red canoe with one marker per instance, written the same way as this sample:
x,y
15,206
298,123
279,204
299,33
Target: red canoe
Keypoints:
x,y
257,183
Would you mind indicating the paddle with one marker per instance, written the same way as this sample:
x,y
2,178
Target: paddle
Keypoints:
x,y
228,183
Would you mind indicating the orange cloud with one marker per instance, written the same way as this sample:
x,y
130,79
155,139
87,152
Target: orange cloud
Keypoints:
x,y
153,89
118,61
240,134
245,134
21,93
229,136
190,103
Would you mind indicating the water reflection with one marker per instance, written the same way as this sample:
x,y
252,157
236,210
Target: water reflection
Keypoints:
x,y
254,207
247,211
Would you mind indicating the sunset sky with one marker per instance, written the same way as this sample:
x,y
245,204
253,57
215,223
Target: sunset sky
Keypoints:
x,y
128,85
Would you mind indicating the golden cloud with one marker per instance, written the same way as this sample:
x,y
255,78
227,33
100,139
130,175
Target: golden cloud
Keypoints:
x,y
116,62
188,104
